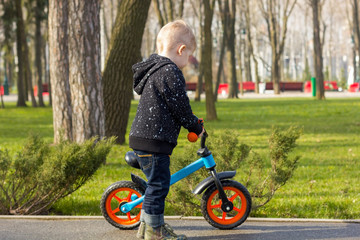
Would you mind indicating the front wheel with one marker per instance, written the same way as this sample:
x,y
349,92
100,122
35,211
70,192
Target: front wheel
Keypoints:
x,y
211,205
117,195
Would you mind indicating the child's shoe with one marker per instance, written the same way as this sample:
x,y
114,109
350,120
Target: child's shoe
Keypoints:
x,y
141,232
164,232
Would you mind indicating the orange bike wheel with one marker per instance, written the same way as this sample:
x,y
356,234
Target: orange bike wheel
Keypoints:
x,y
211,205
114,197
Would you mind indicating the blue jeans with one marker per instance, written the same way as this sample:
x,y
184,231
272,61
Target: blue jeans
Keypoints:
x,y
156,168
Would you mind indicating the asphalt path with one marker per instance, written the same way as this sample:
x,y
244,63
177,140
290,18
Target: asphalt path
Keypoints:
x,y
98,228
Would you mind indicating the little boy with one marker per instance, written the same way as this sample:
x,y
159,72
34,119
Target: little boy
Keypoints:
x,y
163,108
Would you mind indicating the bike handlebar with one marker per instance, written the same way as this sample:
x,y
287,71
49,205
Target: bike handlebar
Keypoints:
x,y
193,137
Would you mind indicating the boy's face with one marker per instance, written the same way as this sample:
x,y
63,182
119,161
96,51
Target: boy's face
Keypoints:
x,y
182,56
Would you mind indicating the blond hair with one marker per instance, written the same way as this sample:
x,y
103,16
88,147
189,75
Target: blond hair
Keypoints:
x,y
173,34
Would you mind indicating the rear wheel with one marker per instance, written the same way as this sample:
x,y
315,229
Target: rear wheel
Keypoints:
x,y
114,197
211,203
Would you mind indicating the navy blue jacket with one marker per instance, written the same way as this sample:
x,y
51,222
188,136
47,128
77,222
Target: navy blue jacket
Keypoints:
x,y
163,107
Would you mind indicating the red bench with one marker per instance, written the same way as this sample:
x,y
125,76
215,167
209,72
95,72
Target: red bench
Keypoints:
x,y
247,86
331,86
45,87
191,86
286,86
355,87
328,86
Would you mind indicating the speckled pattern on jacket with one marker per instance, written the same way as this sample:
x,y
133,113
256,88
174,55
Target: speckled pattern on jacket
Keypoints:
x,y
163,107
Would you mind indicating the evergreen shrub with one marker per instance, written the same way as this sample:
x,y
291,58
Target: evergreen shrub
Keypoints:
x,y
254,170
40,174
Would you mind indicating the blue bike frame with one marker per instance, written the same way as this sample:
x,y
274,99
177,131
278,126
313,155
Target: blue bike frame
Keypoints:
x,y
207,162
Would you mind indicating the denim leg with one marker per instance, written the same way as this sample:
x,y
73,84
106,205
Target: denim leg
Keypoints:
x,y
156,170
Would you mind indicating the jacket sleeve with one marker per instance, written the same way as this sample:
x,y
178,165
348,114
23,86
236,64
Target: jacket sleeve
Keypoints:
x,y
174,92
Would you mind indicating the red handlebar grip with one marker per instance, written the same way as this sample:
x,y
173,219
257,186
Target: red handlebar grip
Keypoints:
x,y
192,137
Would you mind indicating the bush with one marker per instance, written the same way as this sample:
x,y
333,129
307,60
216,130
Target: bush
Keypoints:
x,y
41,174
261,181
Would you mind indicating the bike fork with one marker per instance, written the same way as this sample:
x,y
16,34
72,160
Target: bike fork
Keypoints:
x,y
226,205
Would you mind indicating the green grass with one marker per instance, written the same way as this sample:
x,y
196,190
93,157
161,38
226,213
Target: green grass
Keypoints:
x,y
325,185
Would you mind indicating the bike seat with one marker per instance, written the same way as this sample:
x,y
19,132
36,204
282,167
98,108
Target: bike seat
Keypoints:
x,y
130,159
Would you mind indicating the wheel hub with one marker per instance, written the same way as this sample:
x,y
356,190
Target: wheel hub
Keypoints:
x,y
227,206
122,204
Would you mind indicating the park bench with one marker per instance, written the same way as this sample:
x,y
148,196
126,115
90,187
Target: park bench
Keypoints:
x,y
191,86
45,87
286,86
328,86
331,86
250,86
355,87
247,86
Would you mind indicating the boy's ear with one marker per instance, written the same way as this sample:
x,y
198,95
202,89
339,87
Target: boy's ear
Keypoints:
x,y
181,49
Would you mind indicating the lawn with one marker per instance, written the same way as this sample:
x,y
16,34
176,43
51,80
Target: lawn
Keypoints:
x,y
325,184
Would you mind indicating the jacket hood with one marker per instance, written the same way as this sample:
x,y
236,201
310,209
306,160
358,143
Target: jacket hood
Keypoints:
x,y
143,70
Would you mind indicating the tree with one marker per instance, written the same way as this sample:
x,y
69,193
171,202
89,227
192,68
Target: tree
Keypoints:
x,y
230,47
59,70
356,31
85,80
318,44
246,10
168,14
20,36
199,85
8,18
25,55
39,17
124,51
220,69
271,13
206,60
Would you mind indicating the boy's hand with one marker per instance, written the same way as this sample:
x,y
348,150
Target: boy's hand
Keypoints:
x,y
201,121
200,135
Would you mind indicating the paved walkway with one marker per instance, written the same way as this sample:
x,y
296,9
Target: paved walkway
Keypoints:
x,y
247,95
97,228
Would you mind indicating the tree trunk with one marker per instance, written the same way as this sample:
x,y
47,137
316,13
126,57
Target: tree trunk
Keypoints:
x,y
161,20
199,85
206,61
86,86
8,18
275,60
20,34
247,60
318,59
356,27
27,67
221,64
271,14
275,73
233,85
240,63
354,63
28,74
38,47
200,80
223,9
59,70
124,51
250,43
170,10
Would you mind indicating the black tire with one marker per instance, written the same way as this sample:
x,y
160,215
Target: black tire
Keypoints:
x,y
211,207
114,196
